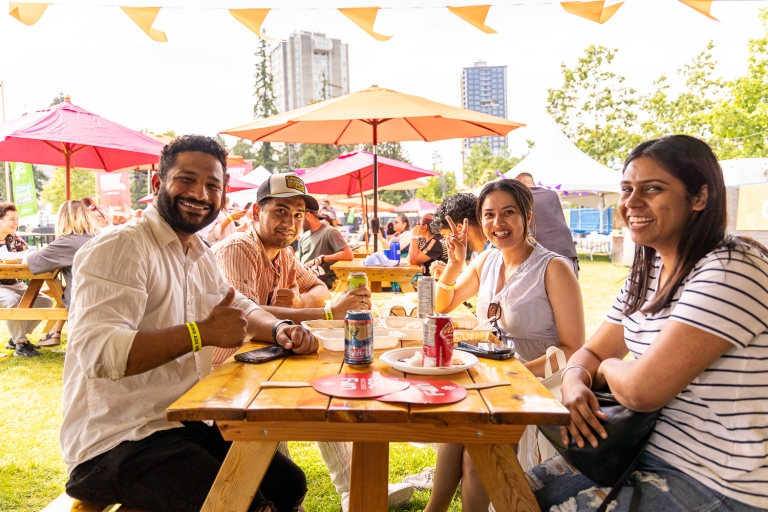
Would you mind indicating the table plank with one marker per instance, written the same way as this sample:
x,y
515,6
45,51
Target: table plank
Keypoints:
x,y
226,392
502,477
471,410
526,401
240,476
296,404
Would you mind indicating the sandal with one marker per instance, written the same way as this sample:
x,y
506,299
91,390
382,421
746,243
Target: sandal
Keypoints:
x,y
52,339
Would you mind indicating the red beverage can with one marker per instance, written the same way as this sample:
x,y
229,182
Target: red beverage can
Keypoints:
x,y
438,341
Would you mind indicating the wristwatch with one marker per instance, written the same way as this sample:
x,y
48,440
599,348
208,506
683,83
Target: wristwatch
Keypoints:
x,y
276,325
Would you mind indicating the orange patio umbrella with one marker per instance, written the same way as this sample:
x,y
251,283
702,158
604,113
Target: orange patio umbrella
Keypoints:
x,y
372,116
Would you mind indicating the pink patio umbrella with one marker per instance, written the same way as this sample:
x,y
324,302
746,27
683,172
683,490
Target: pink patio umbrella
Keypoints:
x,y
234,185
353,174
68,135
416,205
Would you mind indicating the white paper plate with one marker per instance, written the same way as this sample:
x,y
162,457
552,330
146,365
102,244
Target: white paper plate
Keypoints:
x,y
392,357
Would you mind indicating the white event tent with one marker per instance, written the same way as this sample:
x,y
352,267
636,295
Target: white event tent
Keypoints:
x,y
557,163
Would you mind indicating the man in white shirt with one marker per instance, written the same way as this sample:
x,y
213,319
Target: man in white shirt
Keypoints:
x,y
148,306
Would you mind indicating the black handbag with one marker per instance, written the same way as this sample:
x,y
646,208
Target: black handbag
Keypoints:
x,y
615,458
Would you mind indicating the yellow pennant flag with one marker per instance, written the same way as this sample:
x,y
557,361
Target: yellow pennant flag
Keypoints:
x,y
703,6
474,15
365,17
144,17
27,13
252,18
593,11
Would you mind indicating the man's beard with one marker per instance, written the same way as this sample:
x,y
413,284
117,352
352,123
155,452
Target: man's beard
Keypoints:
x,y
170,211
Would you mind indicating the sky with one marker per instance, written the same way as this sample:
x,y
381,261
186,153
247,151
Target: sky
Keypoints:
x,y
201,80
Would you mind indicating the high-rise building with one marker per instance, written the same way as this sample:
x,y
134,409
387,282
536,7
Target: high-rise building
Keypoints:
x,y
484,89
309,67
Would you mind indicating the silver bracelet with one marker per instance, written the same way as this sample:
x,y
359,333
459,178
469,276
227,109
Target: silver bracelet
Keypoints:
x,y
577,366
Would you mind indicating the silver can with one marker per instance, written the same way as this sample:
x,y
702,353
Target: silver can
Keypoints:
x,y
426,296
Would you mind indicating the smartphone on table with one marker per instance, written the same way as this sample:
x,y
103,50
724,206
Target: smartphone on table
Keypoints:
x,y
262,355
487,350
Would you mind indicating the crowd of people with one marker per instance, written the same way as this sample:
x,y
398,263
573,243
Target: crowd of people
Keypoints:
x,y
153,309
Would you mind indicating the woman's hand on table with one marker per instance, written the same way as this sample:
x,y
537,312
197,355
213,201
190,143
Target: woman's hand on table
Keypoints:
x,y
584,408
359,298
297,338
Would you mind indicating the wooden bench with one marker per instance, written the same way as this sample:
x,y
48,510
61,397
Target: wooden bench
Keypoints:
x,y
25,309
66,504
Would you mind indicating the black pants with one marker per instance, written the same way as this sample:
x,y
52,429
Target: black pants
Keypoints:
x,y
173,470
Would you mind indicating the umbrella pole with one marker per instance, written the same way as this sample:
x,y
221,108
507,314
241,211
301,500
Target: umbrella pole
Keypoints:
x,y
375,186
149,179
364,208
66,163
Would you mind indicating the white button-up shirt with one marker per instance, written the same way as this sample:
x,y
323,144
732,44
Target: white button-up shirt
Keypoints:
x,y
137,277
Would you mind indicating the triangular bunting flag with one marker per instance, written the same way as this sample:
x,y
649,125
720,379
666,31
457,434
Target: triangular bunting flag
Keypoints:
x,y
365,17
144,17
593,11
27,13
252,18
474,15
703,6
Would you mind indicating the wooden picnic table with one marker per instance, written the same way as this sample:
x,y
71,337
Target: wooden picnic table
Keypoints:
x,y
25,311
488,422
402,274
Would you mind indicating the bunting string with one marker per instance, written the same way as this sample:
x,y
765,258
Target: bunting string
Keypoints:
x,y
597,11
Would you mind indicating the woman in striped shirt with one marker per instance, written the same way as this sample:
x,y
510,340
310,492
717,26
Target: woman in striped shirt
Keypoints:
x,y
694,314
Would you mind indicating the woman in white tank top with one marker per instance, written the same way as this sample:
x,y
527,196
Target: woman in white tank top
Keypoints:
x,y
539,301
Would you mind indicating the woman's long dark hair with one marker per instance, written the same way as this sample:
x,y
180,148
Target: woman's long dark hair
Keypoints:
x,y
693,163
519,192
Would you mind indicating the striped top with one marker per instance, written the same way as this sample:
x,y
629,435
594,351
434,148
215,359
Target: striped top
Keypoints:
x,y
246,266
716,429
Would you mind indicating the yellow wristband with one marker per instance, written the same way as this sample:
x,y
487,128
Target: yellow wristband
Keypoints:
x,y
230,218
446,286
328,310
194,333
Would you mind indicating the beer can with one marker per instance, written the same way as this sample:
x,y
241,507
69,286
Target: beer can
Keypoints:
x,y
426,296
357,280
358,337
438,341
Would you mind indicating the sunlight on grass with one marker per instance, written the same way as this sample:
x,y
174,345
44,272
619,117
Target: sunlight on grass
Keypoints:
x,y
32,473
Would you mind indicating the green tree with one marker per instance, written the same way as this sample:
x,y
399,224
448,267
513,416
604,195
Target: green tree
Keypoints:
x,y
690,112
82,184
222,142
245,149
309,159
438,188
595,108
740,120
483,166
265,104
59,99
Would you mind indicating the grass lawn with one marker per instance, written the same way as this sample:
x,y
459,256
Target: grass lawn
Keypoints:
x,y
32,473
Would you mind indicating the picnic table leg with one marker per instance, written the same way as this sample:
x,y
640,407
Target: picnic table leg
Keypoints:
x,y
57,293
407,287
28,299
502,477
375,286
240,476
368,485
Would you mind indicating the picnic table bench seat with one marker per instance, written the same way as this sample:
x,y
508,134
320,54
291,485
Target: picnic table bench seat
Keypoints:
x,y
65,503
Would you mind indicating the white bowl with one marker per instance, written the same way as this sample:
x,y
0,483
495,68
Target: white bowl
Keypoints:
x,y
333,339
323,325
400,323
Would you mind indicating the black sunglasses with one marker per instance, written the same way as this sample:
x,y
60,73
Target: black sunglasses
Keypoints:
x,y
494,315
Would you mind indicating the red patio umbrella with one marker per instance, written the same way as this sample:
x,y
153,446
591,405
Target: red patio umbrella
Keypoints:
x,y
68,135
416,205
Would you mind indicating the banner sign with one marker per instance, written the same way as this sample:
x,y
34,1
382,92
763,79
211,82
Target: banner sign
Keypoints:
x,y
114,189
753,208
24,193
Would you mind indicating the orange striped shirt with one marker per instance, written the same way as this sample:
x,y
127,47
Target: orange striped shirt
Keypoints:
x,y
246,266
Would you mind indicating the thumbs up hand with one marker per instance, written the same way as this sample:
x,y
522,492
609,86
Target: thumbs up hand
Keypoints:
x,y
225,326
289,297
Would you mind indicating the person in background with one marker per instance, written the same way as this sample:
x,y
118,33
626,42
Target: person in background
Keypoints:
x,y
74,229
329,213
548,225
693,314
101,216
390,229
426,247
11,290
531,296
137,295
459,207
321,245
402,234
224,225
